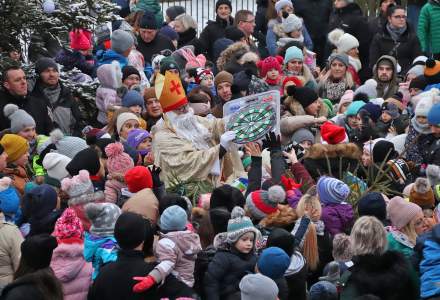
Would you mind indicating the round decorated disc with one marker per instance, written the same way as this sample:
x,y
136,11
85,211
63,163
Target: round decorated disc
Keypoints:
x,y
252,122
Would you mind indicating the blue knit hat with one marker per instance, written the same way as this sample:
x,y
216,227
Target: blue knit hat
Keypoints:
x,y
293,53
132,98
332,190
238,225
174,218
9,200
434,115
354,107
372,204
323,290
273,262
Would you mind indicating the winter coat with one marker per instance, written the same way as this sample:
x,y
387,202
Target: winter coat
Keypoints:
x,y
377,24
33,106
404,50
64,113
433,155
345,155
106,94
386,90
228,59
398,241
275,32
428,246
115,280
416,145
113,189
19,177
296,277
99,251
72,270
399,123
387,276
71,59
225,271
107,57
144,203
10,242
351,19
317,23
428,29
159,43
177,253
188,37
213,31
338,218
202,262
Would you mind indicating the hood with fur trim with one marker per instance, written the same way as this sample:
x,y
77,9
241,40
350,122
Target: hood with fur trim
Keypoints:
x,y
319,151
231,54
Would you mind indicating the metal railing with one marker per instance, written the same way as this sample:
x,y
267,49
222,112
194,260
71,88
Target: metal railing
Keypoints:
x,y
204,10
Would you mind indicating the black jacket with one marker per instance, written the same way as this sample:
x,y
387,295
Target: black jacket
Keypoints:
x,y
376,25
404,50
65,113
316,15
158,44
212,32
351,19
115,280
225,271
188,37
33,106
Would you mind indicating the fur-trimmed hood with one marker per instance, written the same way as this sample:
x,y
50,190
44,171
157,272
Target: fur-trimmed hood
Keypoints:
x,y
296,109
231,54
319,151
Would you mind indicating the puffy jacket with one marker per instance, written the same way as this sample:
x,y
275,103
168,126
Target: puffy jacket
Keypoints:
x,y
338,218
404,50
106,95
72,270
10,242
99,251
225,271
107,57
144,203
398,241
428,29
428,246
213,31
113,190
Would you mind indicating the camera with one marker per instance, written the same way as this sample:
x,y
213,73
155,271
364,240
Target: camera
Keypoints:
x,y
299,150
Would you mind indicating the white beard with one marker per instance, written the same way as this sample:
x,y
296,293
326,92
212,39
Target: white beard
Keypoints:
x,y
188,127
355,63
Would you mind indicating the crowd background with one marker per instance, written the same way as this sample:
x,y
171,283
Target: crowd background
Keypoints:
x,y
119,179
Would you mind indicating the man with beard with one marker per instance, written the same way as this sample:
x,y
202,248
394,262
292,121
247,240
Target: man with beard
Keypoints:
x,y
190,146
385,74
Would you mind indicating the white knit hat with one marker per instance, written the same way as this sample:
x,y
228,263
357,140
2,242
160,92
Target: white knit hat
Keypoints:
x,y
343,41
282,3
291,23
124,117
55,165
425,103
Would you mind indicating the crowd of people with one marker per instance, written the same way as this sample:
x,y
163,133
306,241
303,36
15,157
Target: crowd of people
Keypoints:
x,y
341,203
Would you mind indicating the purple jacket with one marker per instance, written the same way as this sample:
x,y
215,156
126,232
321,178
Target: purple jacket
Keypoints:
x,y
337,218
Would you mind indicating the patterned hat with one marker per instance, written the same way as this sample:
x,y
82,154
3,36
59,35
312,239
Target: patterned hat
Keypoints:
x,y
172,94
202,74
262,203
78,185
422,193
332,190
68,226
432,71
118,161
270,63
103,217
238,225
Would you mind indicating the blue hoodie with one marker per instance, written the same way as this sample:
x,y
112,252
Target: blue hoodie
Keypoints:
x,y
99,250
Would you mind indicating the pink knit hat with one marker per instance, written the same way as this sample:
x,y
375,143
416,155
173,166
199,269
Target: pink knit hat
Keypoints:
x,y
80,39
402,212
346,98
118,161
78,185
68,226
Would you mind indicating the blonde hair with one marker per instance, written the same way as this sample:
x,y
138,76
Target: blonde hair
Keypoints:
x,y
187,21
349,82
309,199
410,231
368,236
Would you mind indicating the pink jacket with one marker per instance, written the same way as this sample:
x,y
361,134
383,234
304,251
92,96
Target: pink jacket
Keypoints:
x,y
112,186
177,253
72,270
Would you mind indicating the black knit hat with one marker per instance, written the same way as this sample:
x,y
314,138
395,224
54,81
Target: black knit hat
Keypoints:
x,y
242,80
372,204
45,63
233,33
419,82
37,250
220,2
227,196
148,21
86,159
129,230
173,11
281,238
383,150
129,70
304,95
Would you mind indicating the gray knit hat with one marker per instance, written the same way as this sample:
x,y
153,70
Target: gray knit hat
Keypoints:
x,y
78,185
174,218
291,23
302,135
262,203
66,145
20,119
258,287
121,41
343,58
323,290
103,217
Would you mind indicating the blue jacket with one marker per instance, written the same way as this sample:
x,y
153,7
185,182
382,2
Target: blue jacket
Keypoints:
x,y
99,251
429,245
272,38
107,57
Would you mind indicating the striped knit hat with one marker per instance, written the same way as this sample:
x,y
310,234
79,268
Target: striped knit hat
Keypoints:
x,y
238,225
332,190
262,203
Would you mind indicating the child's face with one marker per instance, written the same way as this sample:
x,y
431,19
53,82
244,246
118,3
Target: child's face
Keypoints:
x,y
385,117
422,120
344,107
306,144
353,121
136,109
127,127
245,243
145,144
28,133
366,159
295,34
207,81
413,92
272,74
23,160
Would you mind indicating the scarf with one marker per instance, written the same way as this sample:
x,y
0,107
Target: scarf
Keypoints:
x,y
355,63
52,93
334,90
420,128
273,81
394,32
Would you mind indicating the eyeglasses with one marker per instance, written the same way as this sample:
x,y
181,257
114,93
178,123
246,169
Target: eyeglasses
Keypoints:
x,y
250,21
400,17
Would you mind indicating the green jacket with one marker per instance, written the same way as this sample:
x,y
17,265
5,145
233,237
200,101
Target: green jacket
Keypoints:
x,y
394,244
151,5
428,29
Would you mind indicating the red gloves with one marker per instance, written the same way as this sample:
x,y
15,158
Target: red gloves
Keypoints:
x,y
144,283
